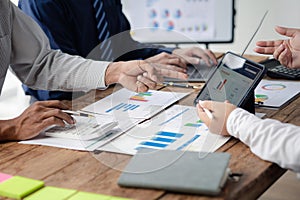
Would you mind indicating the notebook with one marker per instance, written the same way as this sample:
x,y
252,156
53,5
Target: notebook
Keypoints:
x,y
178,171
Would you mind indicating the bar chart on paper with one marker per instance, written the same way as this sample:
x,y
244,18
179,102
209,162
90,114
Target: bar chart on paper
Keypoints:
x,y
135,105
160,140
123,107
177,128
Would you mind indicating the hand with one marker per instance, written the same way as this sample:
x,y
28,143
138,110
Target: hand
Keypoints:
x,y
139,76
287,52
220,112
169,61
34,119
194,54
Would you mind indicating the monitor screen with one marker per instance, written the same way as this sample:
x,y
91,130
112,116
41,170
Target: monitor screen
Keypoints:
x,y
181,21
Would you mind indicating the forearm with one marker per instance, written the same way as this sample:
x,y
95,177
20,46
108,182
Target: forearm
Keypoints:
x,y
269,139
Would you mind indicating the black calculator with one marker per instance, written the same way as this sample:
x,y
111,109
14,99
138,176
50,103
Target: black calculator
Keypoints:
x,y
276,70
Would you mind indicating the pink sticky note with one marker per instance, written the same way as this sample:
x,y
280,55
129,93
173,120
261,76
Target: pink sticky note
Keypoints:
x,y
4,177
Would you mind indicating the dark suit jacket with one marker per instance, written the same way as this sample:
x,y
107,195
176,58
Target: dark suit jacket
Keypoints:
x,y
70,26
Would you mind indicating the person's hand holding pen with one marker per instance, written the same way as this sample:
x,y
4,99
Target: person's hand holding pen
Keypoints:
x,y
35,119
214,115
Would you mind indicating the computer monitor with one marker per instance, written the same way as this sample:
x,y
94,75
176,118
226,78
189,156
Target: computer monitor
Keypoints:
x,y
181,21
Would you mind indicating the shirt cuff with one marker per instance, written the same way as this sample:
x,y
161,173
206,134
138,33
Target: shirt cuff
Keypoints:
x,y
230,125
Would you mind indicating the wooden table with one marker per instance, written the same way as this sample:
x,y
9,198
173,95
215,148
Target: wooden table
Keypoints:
x,y
99,172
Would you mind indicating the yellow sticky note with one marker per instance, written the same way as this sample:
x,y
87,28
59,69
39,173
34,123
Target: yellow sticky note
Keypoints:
x,y
51,193
89,196
18,187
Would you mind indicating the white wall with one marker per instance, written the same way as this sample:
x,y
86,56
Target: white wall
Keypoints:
x,y
249,14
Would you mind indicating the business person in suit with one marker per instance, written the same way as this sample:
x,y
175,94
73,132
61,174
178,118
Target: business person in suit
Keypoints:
x,y
71,25
25,49
269,139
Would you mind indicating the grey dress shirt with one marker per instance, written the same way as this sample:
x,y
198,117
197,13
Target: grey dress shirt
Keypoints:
x,y
25,48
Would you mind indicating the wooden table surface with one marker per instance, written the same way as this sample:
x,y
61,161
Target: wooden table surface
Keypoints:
x,y
99,172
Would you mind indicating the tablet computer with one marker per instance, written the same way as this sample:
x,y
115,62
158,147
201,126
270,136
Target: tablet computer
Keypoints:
x,y
234,80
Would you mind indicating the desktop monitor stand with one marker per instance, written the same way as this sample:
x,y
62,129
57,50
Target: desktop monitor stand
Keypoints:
x,y
249,103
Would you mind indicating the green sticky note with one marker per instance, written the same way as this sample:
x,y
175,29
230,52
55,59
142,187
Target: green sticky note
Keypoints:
x,y
89,196
51,193
18,187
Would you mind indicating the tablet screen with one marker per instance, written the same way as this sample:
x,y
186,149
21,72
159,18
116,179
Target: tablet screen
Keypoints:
x,y
232,80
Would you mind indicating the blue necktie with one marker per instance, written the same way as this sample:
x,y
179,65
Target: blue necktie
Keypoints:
x,y
103,32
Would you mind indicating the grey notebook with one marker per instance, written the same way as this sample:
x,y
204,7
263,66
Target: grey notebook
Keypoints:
x,y
179,171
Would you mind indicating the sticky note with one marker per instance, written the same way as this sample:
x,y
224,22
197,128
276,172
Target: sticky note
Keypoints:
x,y
50,193
18,187
89,196
4,177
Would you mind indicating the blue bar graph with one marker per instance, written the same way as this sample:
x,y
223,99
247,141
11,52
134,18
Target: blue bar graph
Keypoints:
x,y
169,134
154,144
160,139
124,106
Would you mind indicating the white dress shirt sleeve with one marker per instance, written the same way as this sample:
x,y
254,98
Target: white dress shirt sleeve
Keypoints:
x,y
269,139
39,67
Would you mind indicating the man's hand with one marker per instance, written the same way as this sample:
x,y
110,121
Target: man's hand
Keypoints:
x,y
220,112
169,61
287,52
34,119
194,55
139,76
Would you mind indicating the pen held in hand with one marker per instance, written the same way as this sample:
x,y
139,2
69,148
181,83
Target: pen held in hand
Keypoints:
x,y
182,85
208,113
76,113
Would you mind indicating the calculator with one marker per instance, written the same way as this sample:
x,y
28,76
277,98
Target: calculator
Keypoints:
x,y
276,70
85,129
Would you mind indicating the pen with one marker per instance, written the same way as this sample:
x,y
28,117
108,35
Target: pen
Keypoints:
x,y
76,113
209,114
182,85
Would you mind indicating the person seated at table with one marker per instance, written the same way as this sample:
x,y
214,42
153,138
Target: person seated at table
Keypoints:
x,y
269,139
25,49
78,26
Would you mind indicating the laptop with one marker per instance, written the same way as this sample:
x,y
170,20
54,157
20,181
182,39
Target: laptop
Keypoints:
x,y
196,73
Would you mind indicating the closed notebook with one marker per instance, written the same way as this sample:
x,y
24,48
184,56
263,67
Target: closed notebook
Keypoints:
x,y
179,171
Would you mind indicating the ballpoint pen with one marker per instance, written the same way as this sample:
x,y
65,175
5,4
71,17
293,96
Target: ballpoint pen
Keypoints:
x,y
182,85
208,113
76,113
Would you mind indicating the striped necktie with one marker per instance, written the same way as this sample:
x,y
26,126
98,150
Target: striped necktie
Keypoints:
x,y
103,32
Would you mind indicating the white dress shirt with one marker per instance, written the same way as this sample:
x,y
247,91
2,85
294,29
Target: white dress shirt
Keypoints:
x,y
269,139
25,48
